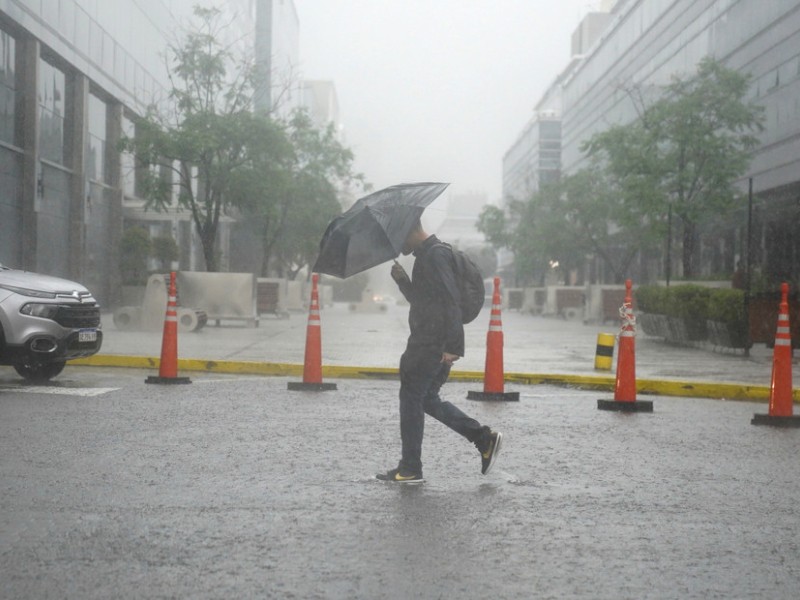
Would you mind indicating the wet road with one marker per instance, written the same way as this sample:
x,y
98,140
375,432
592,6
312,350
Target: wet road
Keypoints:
x,y
234,487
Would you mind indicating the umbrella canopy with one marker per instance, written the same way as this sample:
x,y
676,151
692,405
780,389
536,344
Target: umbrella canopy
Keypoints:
x,y
374,229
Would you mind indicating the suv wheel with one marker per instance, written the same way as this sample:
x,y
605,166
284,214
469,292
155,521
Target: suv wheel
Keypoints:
x,y
37,371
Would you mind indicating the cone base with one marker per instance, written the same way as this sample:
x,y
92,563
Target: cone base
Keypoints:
x,y
792,421
157,379
311,387
494,396
620,406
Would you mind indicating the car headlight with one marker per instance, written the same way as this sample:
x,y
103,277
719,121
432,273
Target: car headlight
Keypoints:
x,y
27,292
45,311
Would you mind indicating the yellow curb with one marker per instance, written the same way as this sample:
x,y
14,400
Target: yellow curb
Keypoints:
x,y
660,387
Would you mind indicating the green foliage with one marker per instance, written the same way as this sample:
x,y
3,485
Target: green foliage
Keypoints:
x,y
134,250
165,250
685,151
210,154
309,197
650,298
726,305
691,301
195,146
492,224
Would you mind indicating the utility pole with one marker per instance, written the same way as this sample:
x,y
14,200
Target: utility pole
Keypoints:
x,y
748,266
668,265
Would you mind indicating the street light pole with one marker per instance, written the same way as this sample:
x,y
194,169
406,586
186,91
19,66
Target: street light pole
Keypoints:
x,y
747,267
668,266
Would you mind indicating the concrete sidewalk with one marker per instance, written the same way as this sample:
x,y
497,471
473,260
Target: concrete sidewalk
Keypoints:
x,y
368,343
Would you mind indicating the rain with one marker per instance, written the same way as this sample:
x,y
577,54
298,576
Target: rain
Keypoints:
x,y
205,212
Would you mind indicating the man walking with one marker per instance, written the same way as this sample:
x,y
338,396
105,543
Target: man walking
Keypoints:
x,y
436,341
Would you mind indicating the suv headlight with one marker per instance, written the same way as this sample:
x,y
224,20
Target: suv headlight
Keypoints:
x,y
45,311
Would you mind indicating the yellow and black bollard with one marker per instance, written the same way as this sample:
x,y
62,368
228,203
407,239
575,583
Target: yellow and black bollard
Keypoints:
x,y
605,352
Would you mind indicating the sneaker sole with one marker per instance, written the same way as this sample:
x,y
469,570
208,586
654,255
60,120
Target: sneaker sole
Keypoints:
x,y
498,444
394,481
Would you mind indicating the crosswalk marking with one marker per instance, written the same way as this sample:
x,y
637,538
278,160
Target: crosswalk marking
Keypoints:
x,y
64,391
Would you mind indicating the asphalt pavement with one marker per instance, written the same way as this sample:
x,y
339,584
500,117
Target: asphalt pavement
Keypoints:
x,y
233,486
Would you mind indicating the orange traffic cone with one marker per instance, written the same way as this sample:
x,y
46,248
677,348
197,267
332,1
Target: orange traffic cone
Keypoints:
x,y
312,366
625,386
168,367
780,393
493,377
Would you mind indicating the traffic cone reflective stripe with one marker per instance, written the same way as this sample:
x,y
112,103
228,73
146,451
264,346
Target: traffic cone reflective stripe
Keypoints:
x,y
493,376
168,366
783,334
312,363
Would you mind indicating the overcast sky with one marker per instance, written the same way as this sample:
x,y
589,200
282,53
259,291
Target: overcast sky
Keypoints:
x,y
436,90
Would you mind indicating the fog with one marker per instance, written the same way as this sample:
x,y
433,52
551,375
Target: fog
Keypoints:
x,y
436,90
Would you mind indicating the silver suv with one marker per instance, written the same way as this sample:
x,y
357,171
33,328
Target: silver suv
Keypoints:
x,y
44,321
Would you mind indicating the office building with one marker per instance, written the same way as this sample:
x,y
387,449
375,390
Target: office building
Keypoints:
x,y
642,44
73,76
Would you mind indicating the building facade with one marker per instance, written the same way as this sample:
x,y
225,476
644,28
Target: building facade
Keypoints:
x,y
535,158
73,76
642,44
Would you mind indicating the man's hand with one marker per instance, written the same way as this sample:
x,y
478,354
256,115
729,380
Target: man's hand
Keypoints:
x,y
399,273
448,358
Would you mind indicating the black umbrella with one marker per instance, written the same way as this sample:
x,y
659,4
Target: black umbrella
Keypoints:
x,y
373,230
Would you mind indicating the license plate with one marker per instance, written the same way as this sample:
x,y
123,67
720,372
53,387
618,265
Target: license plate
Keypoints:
x,y
87,335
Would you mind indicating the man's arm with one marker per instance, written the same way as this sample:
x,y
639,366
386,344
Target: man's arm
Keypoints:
x,y
402,280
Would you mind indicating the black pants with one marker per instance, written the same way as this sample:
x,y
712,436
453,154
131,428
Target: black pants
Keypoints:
x,y
422,374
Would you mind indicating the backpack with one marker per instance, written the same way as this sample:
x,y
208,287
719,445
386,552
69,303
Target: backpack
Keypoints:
x,y
470,284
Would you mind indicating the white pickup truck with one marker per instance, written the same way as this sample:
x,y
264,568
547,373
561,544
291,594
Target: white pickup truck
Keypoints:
x,y
45,321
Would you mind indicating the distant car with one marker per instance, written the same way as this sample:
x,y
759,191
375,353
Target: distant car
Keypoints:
x,y
384,298
45,321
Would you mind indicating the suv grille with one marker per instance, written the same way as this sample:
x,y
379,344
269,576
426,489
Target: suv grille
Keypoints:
x,y
78,316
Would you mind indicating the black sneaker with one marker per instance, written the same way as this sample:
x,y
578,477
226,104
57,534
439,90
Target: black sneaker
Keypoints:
x,y
398,475
489,450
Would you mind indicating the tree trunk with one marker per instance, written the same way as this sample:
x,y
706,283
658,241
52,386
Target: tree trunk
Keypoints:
x,y
208,241
689,238
266,250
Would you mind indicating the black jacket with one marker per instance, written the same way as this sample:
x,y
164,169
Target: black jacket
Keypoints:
x,y
434,317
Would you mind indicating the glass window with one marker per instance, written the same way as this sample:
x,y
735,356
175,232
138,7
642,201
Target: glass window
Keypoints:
x,y
788,71
96,156
66,20
51,95
550,129
8,89
95,42
106,60
128,161
82,29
